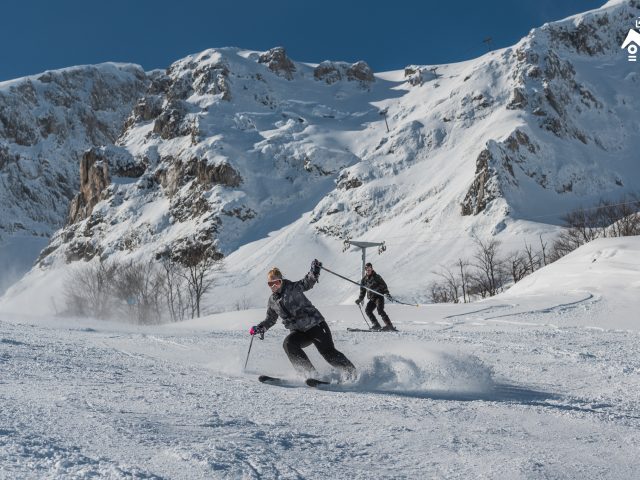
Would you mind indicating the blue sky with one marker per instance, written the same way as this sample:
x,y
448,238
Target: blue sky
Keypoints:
x,y
37,35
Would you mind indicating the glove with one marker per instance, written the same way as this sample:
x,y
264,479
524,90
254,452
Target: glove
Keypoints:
x,y
315,268
257,330
388,297
358,301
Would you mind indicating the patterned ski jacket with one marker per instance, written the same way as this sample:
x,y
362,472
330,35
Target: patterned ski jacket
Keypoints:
x,y
374,282
291,304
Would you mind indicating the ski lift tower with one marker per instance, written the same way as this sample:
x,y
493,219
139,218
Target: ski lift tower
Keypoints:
x,y
363,246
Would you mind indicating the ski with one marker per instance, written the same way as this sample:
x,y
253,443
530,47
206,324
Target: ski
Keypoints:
x,y
311,382
271,380
314,382
370,330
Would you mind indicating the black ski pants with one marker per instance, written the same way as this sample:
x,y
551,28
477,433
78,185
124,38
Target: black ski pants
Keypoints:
x,y
377,303
320,336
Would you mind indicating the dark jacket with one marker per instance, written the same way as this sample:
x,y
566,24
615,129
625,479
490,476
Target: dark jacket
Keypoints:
x,y
374,282
291,304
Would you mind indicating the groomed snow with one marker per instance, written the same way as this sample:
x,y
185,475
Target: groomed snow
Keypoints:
x,y
540,382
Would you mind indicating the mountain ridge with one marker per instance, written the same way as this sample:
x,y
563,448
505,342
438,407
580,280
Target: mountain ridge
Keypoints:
x,y
231,145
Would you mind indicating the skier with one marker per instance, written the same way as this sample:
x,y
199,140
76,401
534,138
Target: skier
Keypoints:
x,y
307,325
375,282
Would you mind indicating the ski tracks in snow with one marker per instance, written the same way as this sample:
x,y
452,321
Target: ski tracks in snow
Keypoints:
x,y
556,309
520,401
497,312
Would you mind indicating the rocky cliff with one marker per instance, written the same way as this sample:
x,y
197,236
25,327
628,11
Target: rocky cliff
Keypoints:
x,y
47,122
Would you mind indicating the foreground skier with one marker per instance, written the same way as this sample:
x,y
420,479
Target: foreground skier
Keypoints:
x,y
307,325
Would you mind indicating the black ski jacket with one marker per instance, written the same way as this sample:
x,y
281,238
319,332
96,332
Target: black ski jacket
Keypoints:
x,y
374,282
291,304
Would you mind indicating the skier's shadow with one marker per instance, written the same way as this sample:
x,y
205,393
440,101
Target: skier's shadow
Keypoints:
x,y
501,393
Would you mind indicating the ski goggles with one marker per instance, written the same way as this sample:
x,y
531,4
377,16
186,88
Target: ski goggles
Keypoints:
x,y
274,282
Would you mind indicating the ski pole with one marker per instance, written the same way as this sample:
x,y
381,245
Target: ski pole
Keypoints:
x,y
403,303
363,317
247,360
349,280
366,288
250,345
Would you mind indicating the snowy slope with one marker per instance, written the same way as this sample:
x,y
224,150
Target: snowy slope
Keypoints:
x,y
276,162
542,382
606,270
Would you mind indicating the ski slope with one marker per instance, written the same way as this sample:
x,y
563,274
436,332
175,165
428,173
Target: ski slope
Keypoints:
x,y
540,382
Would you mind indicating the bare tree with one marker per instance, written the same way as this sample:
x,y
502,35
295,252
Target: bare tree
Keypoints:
x,y
532,259
89,289
451,284
178,303
622,219
601,217
464,279
139,289
477,286
628,225
583,224
439,293
489,275
144,292
605,220
543,251
517,263
201,262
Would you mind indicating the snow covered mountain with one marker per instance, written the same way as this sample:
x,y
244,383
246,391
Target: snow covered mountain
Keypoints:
x,y
272,161
46,123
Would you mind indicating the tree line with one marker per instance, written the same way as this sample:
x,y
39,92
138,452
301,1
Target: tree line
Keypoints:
x,y
490,271
169,287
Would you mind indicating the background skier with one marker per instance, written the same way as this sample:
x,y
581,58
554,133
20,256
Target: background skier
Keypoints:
x,y
375,282
307,325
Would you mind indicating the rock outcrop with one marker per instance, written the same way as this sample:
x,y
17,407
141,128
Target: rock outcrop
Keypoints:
x,y
94,179
277,61
332,72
